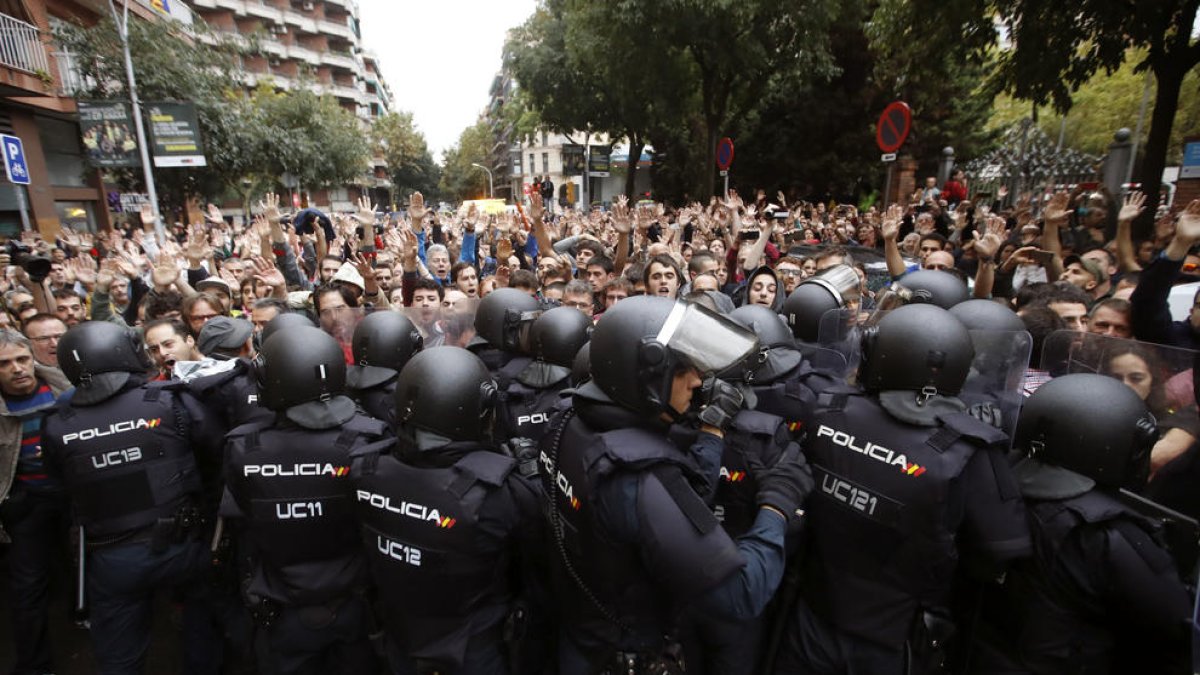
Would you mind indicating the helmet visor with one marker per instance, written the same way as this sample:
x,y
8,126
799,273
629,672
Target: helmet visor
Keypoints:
x,y
705,340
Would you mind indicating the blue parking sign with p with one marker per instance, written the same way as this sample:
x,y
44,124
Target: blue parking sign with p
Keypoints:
x,y
15,166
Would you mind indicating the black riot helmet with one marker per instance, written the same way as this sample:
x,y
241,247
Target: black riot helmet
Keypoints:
x,y
581,367
286,320
831,288
934,287
382,343
1091,424
980,314
641,342
304,374
446,392
504,316
98,357
916,348
558,334
778,352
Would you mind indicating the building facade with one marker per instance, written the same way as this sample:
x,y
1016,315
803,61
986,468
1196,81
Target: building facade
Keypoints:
x,y
37,105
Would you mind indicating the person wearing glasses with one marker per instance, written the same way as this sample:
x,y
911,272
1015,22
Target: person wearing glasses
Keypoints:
x,y
44,331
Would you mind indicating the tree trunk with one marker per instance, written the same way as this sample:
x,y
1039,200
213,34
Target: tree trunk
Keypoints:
x,y
635,153
1169,76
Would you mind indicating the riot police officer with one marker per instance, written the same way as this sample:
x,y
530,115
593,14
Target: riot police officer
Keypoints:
x,y
1101,594
290,482
135,459
627,507
448,521
907,485
833,288
382,343
533,391
502,323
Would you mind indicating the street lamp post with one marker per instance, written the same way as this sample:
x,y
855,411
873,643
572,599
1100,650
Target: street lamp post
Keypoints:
x,y
122,23
491,186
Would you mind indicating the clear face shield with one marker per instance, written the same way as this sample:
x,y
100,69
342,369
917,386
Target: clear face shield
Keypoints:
x,y
704,340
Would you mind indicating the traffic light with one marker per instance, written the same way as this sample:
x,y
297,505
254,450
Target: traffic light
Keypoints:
x,y
570,192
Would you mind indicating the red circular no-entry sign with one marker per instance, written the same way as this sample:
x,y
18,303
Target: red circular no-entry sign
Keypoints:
x,y
725,153
893,126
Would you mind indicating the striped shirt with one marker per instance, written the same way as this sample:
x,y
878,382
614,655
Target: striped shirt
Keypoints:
x,y
31,467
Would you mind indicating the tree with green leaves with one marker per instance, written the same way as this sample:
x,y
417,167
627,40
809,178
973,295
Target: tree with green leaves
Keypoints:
x,y
460,180
1051,50
171,65
410,165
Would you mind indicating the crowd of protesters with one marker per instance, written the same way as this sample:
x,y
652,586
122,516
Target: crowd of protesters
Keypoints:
x,y
1062,260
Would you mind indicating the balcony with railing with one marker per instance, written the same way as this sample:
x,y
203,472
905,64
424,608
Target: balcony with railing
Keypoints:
x,y
21,46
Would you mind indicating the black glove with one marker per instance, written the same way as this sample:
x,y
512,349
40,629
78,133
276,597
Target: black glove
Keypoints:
x,y
987,413
722,401
785,485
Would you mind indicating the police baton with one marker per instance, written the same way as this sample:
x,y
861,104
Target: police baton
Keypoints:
x,y
80,575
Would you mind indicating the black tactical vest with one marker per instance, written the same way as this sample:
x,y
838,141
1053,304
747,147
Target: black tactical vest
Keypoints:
x,y
1063,624
125,462
608,598
753,434
436,570
886,509
292,485
525,412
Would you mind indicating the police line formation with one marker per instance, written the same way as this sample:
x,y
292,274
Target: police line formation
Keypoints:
x,y
670,490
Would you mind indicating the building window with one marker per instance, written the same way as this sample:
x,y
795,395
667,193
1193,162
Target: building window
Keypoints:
x,y
545,139
545,162
532,163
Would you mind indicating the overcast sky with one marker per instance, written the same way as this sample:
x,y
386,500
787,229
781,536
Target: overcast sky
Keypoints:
x,y
439,57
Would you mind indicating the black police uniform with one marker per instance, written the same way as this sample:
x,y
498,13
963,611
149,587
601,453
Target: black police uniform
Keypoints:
x,y
896,506
1101,595
133,465
446,531
525,406
632,523
308,576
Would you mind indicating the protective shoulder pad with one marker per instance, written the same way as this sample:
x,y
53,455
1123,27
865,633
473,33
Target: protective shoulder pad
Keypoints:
x,y
969,427
249,428
1097,507
758,423
365,426
487,467
637,447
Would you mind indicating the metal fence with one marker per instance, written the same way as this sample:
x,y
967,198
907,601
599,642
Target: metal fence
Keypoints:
x,y
21,46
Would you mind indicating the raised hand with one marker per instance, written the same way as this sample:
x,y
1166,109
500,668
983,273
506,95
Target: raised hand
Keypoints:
x,y
536,208
417,211
891,222
270,207
987,245
147,214
366,211
165,273
266,272
197,248
213,215
1188,225
1056,209
622,222
1134,205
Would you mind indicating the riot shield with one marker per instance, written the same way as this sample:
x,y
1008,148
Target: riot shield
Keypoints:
x,y
1161,375
840,334
996,375
452,323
